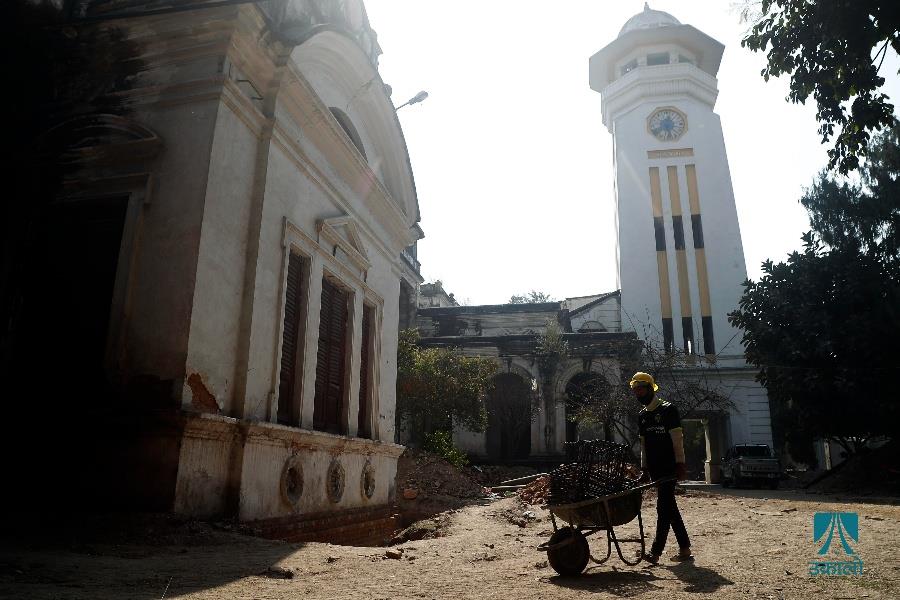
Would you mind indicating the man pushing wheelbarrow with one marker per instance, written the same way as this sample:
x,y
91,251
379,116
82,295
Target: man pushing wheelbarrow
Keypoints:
x,y
662,456
595,494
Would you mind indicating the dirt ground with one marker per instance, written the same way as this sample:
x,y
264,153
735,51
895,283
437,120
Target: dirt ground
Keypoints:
x,y
748,543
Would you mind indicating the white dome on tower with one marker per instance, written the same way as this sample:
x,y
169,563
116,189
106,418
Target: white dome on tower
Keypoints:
x,y
648,19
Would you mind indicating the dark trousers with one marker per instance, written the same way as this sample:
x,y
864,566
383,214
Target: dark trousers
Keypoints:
x,y
667,515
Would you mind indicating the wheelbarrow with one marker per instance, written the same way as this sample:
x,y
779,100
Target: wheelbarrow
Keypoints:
x,y
567,549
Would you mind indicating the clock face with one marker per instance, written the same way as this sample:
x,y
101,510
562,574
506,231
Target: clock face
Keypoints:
x,y
666,124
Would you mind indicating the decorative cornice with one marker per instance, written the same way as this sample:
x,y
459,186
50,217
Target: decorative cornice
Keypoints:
x,y
660,82
218,427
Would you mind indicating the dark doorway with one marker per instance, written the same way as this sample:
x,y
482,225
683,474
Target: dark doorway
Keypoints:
x,y
509,418
67,297
586,409
58,342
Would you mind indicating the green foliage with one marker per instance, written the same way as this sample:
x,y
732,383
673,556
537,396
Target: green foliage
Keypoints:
x,y
532,297
832,50
441,443
823,326
438,388
863,216
551,349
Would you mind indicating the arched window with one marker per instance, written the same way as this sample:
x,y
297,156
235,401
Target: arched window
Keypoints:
x,y
347,125
591,326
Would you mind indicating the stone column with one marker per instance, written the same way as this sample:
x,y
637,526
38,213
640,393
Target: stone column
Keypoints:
x,y
351,412
712,429
311,343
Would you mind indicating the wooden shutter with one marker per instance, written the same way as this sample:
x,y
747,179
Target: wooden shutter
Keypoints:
x,y
290,346
364,419
331,357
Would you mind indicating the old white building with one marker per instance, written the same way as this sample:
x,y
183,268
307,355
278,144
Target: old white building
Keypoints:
x,y
529,407
681,261
263,217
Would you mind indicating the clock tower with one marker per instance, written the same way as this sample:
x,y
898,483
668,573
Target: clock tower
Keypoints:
x,y
680,257
681,262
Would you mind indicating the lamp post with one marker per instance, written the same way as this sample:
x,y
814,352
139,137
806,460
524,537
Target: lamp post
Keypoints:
x,y
414,100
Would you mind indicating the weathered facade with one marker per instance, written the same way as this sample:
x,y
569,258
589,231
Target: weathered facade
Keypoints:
x,y
267,219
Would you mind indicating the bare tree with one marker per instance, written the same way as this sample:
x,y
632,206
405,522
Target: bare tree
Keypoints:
x,y
606,401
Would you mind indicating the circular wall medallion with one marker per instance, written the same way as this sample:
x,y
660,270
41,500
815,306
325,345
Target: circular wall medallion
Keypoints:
x,y
367,481
335,482
667,124
292,481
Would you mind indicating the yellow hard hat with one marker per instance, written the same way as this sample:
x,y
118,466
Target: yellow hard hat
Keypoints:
x,y
642,378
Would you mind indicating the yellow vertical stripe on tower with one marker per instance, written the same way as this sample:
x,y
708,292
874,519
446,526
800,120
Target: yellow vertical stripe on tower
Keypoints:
x,y
655,192
703,282
699,246
665,297
684,292
709,340
662,263
693,195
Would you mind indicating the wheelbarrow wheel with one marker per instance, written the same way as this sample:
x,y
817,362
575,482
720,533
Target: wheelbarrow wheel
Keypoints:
x,y
569,558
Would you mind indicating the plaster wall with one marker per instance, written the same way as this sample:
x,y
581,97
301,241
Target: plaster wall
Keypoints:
x,y
607,314
205,466
750,419
214,330
223,459
167,249
267,451
470,442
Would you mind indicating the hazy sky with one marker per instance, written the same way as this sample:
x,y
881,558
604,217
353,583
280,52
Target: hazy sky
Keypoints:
x,y
513,165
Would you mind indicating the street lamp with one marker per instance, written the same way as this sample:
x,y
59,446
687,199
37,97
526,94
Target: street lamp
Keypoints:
x,y
414,100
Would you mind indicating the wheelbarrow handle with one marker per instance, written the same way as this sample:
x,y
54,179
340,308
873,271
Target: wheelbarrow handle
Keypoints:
x,y
655,483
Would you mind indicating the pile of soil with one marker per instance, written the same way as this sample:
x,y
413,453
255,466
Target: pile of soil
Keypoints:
x,y
536,492
422,473
869,472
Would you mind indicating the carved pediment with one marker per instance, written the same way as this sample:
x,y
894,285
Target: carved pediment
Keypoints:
x,y
342,234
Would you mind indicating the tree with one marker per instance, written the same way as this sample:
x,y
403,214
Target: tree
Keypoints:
x,y
863,216
532,297
823,326
439,388
832,50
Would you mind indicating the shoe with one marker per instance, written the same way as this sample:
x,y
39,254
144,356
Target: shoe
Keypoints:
x,y
682,555
650,557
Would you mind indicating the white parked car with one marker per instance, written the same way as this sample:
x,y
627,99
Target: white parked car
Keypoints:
x,y
750,464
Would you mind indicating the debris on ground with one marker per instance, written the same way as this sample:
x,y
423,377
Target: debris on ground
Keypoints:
x,y
491,475
275,572
394,553
517,516
425,529
536,492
